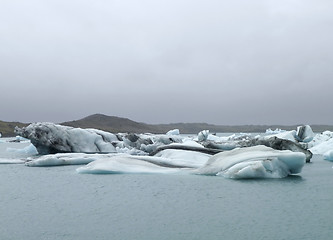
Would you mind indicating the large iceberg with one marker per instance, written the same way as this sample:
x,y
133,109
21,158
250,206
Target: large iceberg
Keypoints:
x,y
53,138
254,162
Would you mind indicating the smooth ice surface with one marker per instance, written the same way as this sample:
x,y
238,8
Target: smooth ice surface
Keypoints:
x,y
124,164
10,161
185,158
254,162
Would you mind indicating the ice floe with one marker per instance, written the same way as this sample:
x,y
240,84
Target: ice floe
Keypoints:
x,y
254,162
321,143
10,161
274,154
125,164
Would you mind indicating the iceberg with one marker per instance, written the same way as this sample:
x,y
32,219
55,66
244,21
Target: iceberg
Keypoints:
x,y
304,134
203,135
51,138
30,149
276,131
253,162
173,132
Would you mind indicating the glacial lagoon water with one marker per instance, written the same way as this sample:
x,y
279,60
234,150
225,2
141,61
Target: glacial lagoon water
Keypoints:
x,y
58,203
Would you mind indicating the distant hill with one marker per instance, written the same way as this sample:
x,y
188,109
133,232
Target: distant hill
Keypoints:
x,y
111,124
118,124
7,128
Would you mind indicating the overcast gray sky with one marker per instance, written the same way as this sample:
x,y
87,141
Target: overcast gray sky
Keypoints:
x,y
161,61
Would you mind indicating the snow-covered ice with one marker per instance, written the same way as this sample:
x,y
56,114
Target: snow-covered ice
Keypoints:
x,y
276,131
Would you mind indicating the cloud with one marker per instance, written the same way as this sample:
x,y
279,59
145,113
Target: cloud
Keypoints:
x,y
225,62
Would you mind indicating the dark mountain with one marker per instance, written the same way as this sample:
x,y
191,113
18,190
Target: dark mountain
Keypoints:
x,y
7,128
111,124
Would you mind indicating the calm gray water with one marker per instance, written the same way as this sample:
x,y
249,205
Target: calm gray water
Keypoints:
x,y
58,203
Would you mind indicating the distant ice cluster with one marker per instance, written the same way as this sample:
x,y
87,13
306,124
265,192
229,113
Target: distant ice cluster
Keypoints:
x,y
273,154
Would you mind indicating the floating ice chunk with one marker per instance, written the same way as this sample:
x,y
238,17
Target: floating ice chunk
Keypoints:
x,y
125,164
214,138
30,150
287,135
60,159
328,155
173,132
304,134
53,138
254,162
277,130
321,143
10,161
203,135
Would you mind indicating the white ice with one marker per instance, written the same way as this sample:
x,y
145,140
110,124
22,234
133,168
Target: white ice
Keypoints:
x,y
173,132
183,158
64,159
276,131
125,164
254,162
30,150
321,143
203,135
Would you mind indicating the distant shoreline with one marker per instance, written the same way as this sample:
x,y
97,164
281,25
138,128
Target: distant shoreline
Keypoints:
x,y
118,124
